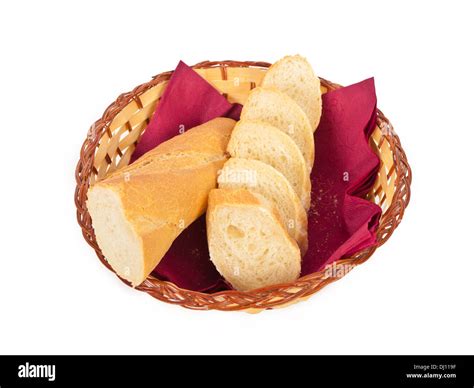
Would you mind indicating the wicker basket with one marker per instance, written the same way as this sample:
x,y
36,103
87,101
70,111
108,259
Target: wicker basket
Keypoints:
x,y
110,143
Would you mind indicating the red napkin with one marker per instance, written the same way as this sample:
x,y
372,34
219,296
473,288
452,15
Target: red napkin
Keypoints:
x,y
188,100
187,262
340,222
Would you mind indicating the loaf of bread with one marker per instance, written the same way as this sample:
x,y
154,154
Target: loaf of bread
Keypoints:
x,y
294,76
259,177
259,140
248,242
138,211
276,108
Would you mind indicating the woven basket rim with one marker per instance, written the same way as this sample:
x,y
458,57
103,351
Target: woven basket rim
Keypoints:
x,y
265,297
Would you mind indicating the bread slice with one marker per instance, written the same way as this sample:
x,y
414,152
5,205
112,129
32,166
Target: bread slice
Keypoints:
x,y
262,141
259,177
279,110
137,212
248,242
294,76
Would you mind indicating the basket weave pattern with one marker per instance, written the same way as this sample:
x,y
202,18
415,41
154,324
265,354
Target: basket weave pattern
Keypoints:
x,y
111,141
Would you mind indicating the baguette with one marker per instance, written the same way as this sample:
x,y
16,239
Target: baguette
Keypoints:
x,y
138,211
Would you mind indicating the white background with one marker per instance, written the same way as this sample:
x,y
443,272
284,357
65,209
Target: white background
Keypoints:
x,y
63,63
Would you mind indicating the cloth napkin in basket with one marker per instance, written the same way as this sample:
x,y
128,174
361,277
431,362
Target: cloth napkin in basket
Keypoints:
x,y
340,222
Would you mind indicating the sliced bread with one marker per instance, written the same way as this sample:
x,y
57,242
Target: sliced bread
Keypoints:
x,y
248,243
294,76
262,141
278,109
262,178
